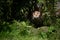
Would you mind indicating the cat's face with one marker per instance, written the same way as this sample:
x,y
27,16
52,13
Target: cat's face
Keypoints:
x,y
36,14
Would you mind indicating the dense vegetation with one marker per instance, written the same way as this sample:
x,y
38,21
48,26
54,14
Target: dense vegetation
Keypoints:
x,y
15,25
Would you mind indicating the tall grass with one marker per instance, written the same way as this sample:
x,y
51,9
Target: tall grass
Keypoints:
x,y
24,31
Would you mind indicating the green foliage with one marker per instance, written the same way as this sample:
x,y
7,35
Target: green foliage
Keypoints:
x,y
15,26
24,31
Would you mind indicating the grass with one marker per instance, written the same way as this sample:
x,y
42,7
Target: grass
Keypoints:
x,y
24,31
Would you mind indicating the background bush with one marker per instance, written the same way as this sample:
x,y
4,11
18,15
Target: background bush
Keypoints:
x,y
14,24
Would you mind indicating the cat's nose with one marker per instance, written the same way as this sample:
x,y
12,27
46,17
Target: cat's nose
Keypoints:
x,y
36,15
